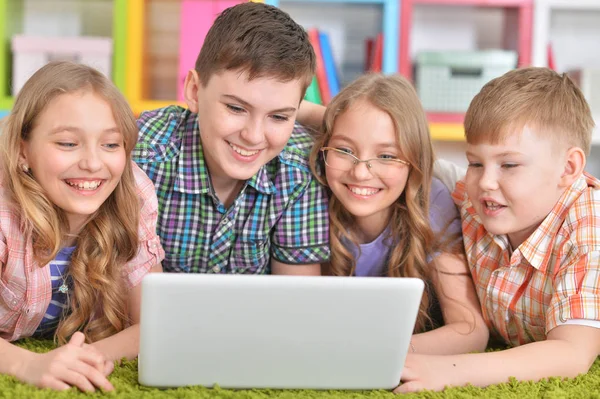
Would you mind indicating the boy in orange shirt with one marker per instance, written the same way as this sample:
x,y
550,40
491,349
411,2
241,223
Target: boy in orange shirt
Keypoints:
x,y
531,226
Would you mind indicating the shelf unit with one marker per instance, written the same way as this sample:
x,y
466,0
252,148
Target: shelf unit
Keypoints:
x,y
542,18
541,33
523,8
135,72
10,23
448,126
390,26
196,19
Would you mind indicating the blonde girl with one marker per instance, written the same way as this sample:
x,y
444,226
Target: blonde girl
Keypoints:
x,y
77,229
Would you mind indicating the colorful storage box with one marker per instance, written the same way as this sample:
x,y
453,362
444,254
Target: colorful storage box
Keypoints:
x,y
31,53
448,81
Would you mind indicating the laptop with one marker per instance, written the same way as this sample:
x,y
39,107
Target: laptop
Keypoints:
x,y
280,332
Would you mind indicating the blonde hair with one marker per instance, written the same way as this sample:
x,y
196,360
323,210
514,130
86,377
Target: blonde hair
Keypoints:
x,y
110,237
535,97
410,230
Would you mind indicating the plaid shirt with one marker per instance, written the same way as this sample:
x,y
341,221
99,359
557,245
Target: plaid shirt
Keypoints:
x,y
552,278
26,286
281,212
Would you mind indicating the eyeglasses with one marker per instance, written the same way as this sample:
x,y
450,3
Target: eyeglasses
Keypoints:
x,y
344,161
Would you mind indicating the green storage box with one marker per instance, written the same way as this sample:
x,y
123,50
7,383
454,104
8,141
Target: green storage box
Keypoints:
x,y
447,81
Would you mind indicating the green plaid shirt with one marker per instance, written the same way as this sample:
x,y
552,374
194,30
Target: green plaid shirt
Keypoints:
x,y
280,213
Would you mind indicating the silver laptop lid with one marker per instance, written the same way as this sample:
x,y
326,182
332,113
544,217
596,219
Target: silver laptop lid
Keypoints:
x,y
276,331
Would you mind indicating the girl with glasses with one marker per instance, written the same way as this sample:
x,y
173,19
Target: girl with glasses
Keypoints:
x,y
388,215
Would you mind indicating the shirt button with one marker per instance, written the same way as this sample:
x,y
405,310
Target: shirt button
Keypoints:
x,y
216,269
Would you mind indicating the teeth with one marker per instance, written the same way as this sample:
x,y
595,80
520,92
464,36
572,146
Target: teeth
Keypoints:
x,y
243,152
88,185
492,205
364,191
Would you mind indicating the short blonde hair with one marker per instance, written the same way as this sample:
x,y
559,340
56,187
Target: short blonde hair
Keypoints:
x,y
538,98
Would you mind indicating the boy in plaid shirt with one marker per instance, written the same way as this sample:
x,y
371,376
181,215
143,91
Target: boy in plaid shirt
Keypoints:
x,y
231,172
531,226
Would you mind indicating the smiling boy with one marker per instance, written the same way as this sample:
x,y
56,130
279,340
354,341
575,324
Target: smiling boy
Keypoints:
x,y
231,172
531,226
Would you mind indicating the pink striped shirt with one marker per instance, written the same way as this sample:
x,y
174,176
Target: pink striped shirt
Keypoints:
x,y
25,287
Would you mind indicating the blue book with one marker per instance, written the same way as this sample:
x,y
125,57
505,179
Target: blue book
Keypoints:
x,y
330,69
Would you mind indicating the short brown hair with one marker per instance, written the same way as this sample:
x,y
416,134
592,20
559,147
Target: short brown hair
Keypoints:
x,y
535,97
259,39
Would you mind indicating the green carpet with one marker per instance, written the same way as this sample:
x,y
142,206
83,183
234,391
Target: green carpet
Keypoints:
x,y
124,379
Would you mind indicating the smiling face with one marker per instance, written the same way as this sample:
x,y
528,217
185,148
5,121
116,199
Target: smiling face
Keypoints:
x,y
367,132
75,153
515,184
243,123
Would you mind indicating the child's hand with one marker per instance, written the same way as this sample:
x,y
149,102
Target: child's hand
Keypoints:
x,y
74,364
426,372
108,366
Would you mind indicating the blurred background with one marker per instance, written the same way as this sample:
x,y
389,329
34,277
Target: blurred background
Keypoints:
x,y
448,48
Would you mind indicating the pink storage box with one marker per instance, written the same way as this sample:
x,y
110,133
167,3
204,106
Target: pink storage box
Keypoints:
x,y
30,53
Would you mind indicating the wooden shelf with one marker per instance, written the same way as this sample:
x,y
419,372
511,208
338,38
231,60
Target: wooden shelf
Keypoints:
x,y
146,105
6,103
446,126
446,131
454,131
596,133
390,26
542,21
446,117
10,16
523,18
570,4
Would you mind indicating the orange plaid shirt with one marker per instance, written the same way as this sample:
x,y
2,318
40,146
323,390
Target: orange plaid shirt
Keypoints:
x,y
552,278
25,287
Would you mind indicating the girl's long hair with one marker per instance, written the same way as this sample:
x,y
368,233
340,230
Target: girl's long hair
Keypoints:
x,y
410,230
98,305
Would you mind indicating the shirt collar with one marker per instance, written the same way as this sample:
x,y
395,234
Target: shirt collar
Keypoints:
x,y
537,249
261,181
192,173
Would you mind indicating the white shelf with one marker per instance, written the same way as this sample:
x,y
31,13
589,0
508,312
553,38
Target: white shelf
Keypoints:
x,y
596,133
569,4
542,19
